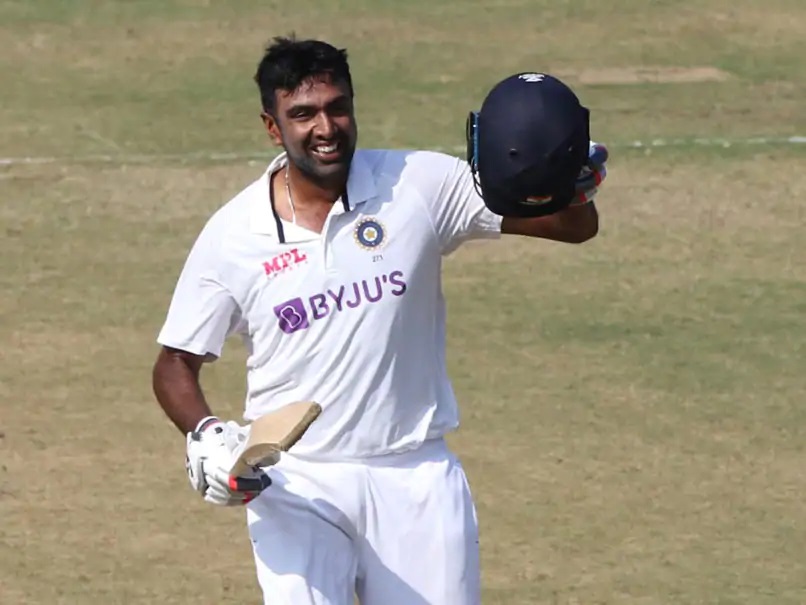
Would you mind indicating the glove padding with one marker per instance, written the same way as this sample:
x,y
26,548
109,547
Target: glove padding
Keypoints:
x,y
211,453
592,174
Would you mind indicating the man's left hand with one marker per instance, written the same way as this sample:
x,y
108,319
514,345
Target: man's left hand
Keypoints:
x,y
592,174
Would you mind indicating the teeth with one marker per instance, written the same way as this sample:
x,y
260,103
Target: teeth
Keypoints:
x,y
326,148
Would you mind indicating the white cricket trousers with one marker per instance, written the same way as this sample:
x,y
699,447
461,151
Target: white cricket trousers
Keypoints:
x,y
399,529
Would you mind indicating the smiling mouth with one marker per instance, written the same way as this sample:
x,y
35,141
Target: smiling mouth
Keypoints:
x,y
328,151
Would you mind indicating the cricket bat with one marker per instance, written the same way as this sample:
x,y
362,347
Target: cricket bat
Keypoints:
x,y
274,433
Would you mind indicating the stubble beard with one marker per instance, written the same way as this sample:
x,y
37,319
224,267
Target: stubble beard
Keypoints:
x,y
323,175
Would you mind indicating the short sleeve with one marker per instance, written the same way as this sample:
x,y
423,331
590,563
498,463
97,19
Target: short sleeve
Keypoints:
x,y
457,210
203,311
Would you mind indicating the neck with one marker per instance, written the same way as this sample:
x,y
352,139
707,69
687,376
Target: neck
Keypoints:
x,y
308,192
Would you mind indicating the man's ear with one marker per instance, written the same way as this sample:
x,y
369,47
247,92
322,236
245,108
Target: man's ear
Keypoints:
x,y
272,128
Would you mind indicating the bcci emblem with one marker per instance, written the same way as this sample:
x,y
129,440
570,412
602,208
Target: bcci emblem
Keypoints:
x,y
369,234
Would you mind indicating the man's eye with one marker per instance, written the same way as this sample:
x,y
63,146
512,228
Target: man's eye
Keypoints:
x,y
340,109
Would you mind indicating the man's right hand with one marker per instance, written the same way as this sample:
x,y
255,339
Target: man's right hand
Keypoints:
x,y
210,455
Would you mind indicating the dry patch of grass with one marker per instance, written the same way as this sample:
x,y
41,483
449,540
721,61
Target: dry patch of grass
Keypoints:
x,y
638,74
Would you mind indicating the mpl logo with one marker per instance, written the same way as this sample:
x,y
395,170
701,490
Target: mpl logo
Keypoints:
x,y
284,261
297,314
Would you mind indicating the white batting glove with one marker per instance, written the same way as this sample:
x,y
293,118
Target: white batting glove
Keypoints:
x,y
592,174
211,451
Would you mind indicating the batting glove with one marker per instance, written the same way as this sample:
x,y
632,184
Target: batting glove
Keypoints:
x,y
592,174
211,451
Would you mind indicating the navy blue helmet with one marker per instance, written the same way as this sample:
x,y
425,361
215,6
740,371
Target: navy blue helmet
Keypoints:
x,y
527,145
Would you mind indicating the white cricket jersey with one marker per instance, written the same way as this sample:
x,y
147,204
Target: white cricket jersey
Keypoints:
x,y
353,318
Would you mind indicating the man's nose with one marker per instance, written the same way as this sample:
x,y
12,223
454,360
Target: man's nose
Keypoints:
x,y
324,126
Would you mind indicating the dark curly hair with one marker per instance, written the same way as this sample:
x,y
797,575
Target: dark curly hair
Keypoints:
x,y
288,62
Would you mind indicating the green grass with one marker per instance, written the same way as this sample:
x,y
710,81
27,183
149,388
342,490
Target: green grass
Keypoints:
x,y
176,76
632,408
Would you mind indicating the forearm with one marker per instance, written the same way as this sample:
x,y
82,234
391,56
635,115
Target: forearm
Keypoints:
x,y
575,224
175,381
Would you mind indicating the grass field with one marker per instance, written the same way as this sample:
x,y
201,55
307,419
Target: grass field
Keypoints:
x,y
634,425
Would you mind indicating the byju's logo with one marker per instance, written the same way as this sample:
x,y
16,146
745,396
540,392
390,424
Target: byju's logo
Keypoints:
x,y
292,315
297,314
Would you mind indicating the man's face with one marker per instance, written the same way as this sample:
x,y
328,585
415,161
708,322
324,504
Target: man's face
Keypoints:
x,y
316,126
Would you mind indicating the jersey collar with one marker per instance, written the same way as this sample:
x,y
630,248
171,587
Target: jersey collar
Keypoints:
x,y
361,187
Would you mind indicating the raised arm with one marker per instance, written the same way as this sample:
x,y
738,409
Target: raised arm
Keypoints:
x,y
573,225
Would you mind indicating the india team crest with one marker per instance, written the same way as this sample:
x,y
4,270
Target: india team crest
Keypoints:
x,y
370,234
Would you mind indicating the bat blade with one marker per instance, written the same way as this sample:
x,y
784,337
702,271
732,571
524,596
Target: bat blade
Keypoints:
x,y
274,433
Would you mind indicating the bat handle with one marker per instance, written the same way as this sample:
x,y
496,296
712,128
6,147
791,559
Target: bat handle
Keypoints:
x,y
250,484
